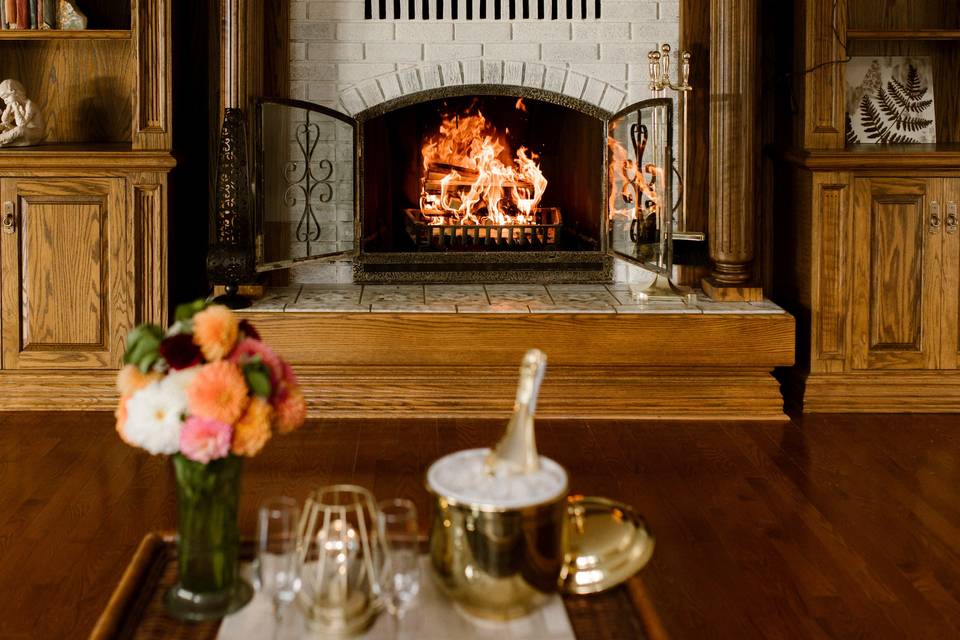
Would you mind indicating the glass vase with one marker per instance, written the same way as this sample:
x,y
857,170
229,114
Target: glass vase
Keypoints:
x,y
208,540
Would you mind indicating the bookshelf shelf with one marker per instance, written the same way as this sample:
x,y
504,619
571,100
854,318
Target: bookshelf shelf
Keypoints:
x,y
52,34
903,34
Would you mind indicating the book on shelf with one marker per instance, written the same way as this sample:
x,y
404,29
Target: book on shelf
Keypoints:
x,y
32,6
23,15
28,14
49,14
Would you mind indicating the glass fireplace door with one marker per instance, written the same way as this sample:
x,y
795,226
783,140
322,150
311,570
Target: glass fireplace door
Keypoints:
x,y
640,184
305,183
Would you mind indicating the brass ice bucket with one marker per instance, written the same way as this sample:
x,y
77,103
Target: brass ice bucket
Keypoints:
x,y
505,535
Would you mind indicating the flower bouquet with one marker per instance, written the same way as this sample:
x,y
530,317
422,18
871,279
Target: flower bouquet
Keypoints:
x,y
208,392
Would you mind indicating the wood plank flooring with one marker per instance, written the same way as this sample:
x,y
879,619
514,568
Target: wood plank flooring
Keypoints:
x,y
827,526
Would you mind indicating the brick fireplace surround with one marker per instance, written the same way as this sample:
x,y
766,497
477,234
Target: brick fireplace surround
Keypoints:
x,y
365,351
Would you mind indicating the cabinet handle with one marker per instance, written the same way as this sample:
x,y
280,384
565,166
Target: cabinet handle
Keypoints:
x,y
9,223
952,221
934,217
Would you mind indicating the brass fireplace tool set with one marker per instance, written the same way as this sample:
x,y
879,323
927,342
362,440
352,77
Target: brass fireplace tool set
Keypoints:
x,y
505,534
656,218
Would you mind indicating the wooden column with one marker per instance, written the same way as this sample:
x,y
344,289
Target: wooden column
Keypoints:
x,y
733,149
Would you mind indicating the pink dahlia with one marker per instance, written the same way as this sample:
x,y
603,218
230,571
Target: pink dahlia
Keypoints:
x,y
203,439
249,348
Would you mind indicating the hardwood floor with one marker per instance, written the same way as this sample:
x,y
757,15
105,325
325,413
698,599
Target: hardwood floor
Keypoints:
x,y
827,526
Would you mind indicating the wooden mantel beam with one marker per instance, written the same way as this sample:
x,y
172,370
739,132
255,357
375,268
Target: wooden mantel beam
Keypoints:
x,y
733,148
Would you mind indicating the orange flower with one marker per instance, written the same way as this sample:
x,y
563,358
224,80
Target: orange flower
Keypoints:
x,y
218,392
215,331
291,410
130,379
253,429
121,415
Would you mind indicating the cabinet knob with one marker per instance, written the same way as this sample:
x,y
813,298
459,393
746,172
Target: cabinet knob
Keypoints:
x,y
952,219
934,217
9,223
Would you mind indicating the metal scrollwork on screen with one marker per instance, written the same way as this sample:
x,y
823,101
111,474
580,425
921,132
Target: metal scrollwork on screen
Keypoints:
x,y
303,181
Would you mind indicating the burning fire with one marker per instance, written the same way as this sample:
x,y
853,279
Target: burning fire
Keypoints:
x,y
471,175
631,186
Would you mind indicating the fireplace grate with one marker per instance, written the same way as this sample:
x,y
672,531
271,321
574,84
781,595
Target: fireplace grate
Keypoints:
x,y
464,237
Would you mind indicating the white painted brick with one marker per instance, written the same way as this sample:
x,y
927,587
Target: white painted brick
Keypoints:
x,y
365,31
452,51
541,31
298,11
670,11
298,51
553,81
371,92
450,73
593,92
410,81
390,86
355,73
533,74
569,52
472,72
606,71
613,99
393,51
492,72
313,31
630,10
322,92
633,53
482,32
298,90
312,71
638,91
512,51
352,103
424,31
601,31
329,51
430,74
574,85
655,32
513,72
327,10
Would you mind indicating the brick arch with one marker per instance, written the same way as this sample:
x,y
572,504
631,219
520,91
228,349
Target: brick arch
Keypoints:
x,y
433,75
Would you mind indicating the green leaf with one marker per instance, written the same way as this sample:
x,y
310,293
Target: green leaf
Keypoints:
x,y
258,378
143,345
189,309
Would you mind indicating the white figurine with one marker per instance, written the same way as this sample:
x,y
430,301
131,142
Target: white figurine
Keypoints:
x,y
21,123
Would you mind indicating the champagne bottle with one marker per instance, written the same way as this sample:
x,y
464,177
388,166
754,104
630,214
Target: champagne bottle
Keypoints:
x,y
517,450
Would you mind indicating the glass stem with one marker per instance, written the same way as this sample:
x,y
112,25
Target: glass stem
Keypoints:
x,y
395,625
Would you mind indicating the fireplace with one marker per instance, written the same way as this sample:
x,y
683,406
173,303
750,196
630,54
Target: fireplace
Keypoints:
x,y
465,184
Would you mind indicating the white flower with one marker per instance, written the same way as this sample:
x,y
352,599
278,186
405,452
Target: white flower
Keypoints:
x,y
154,416
178,381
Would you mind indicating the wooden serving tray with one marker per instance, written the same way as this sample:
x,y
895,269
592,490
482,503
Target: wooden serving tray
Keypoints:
x,y
136,607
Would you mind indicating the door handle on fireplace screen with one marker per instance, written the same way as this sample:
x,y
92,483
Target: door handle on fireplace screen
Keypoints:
x,y
952,221
934,217
9,223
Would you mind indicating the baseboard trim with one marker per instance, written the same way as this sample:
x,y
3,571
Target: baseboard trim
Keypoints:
x,y
874,392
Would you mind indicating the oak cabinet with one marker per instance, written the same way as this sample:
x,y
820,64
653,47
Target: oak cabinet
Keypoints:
x,y
897,275
67,273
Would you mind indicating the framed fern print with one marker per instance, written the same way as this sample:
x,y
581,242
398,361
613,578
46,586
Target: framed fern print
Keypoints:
x,y
890,101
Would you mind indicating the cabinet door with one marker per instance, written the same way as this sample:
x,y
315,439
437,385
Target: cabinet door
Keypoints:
x,y
896,284
67,273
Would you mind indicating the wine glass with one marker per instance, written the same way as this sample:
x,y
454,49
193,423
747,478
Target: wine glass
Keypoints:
x,y
276,574
399,580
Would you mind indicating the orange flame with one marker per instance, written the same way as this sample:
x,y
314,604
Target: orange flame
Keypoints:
x,y
630,189
470,174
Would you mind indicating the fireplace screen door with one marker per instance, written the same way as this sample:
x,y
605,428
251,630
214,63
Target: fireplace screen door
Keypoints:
x,y
640,180
305,183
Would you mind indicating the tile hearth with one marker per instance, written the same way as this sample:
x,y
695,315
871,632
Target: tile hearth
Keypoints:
x,y
491,298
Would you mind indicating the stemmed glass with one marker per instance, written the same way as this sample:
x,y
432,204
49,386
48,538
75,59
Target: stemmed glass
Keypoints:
x,y
399,580
276,574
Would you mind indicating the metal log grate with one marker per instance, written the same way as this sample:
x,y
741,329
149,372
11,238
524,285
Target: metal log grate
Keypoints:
x,y
544,234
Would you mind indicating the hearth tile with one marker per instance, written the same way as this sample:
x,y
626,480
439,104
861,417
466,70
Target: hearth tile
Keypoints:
x,y
623,293
515,293
405,294
276,299
769,305
493,308
467,294
571,308
330,294
734,308
577,295
399,307
655,308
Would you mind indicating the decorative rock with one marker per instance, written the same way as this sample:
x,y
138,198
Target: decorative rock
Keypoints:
x,y
71,18
21,123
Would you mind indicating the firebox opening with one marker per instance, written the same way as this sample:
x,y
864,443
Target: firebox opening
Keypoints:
x,y
479,174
